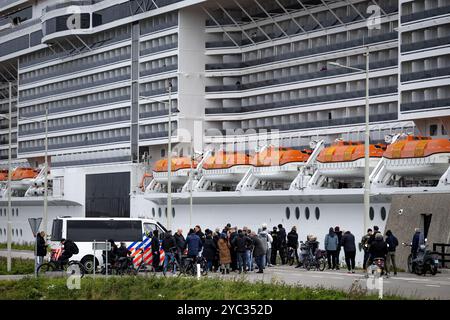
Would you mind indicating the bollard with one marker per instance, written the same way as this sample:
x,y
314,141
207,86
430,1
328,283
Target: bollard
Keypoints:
x,y
198,271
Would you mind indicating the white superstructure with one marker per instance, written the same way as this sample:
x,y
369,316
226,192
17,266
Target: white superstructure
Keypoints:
x,y
246,75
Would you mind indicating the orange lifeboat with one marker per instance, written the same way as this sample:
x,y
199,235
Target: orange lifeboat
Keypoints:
x,y
418,156
345,159
226,167
3,175
23,178
180,169
278,164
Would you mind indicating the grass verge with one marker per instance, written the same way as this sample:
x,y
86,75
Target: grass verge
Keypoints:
x,y
160,288
18,246
18,266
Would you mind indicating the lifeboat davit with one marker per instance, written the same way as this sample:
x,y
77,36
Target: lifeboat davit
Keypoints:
x,y
23,178
226,168
418,156
180,169
345,159
278,164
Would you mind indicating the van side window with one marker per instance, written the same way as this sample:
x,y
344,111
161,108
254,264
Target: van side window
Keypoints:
x,y
149,228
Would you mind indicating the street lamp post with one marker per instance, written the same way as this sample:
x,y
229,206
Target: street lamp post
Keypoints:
x,y
169,151
366,140
9,236
169,160
46,172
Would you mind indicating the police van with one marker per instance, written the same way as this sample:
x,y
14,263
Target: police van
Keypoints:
x,y
135,232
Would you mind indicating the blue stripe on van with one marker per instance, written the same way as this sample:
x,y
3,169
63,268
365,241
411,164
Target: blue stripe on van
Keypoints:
x,y
142,243
132,245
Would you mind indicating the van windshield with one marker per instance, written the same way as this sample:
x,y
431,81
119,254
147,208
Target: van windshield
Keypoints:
x,y
101,230
56,230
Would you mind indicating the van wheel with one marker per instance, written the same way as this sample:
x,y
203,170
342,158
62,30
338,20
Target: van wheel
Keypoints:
x,y
88,263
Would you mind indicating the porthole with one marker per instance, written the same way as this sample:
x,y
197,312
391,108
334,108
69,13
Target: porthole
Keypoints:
x,y
173,212
371,213
288,213
383,213
153,212
297,213
307,213
317,211
159,212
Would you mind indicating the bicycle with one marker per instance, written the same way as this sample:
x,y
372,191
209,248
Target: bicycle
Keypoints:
x,y
172,264
143,266
189,266
70,267
317,261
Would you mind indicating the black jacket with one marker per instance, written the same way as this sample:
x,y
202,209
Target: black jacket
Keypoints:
x,y
122,252
292,239
180,241
201,235
392,242
339,235
378,249
348,242
242,243
41,246
281,237
168,243
209,248
155,245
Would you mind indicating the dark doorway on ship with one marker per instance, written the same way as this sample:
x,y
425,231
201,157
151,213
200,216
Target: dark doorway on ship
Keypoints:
x,y
425,222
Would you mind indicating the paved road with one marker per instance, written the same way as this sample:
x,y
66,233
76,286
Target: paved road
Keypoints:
x,y
404,284
24,254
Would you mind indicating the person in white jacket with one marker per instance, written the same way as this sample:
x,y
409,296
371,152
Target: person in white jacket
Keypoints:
x,y
265,234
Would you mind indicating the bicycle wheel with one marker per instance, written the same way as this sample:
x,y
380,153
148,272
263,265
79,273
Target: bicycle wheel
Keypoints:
x,y
307,264
44,268
322,264
75,267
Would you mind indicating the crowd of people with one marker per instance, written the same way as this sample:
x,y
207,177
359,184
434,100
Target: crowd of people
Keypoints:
x,y
242,249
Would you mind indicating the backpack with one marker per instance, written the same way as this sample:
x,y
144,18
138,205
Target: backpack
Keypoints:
x,y
75,249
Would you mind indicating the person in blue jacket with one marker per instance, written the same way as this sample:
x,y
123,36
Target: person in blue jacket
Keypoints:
x,y
194,244
331,245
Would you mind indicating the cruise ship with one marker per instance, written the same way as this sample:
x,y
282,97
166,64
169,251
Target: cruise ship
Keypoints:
x,y
266,104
